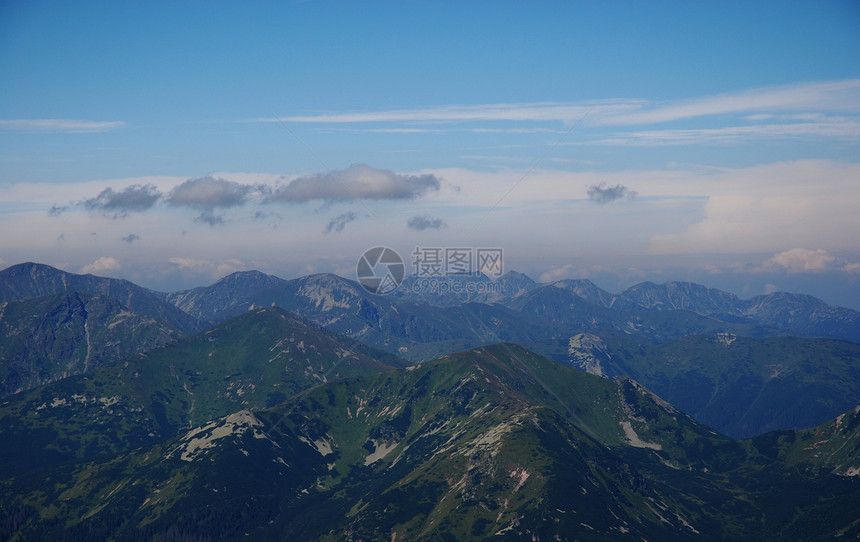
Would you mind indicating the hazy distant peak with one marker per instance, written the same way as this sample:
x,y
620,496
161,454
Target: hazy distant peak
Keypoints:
x,y
244,275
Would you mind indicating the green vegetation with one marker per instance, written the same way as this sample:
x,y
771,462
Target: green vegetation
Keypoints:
x,y
492,442
270,426
48,338
253,361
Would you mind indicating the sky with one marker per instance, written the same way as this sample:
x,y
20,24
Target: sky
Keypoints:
x,y
173,143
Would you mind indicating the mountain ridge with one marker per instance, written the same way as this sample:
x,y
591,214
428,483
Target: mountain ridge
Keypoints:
x,y
255,360
799,313
546,319
28,280
482,443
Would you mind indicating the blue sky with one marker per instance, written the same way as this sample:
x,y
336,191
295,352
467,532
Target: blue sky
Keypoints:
x,y
618,141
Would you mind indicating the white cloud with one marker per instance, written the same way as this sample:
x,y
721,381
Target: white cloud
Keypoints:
x,y
208,192
209,217
820,96
744,224
841,128
556,273
515,131
799,260
425,222
58,125
769,208
103,264
212,269
757,104
565,112
396,131
359,181
338,223
211,192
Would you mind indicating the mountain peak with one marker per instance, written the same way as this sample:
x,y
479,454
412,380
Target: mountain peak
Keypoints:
x,y
678,295
28,280
517,276
242,276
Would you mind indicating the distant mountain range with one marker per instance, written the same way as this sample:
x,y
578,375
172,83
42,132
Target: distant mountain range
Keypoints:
x,y
546,318
492,442
310,409
209,303
798,313
317,295
793,313
642,328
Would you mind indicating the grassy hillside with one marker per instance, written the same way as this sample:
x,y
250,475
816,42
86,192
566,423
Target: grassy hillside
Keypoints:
x,y
256,360
493,442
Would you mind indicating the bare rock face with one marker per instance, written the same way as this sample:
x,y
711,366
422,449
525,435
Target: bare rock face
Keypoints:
x,y
588,352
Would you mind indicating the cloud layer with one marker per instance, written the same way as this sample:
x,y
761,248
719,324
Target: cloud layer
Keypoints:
x,y
208,193
832,96
101,265
58,126
774,223
803,260
213,196
358,181
136,197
